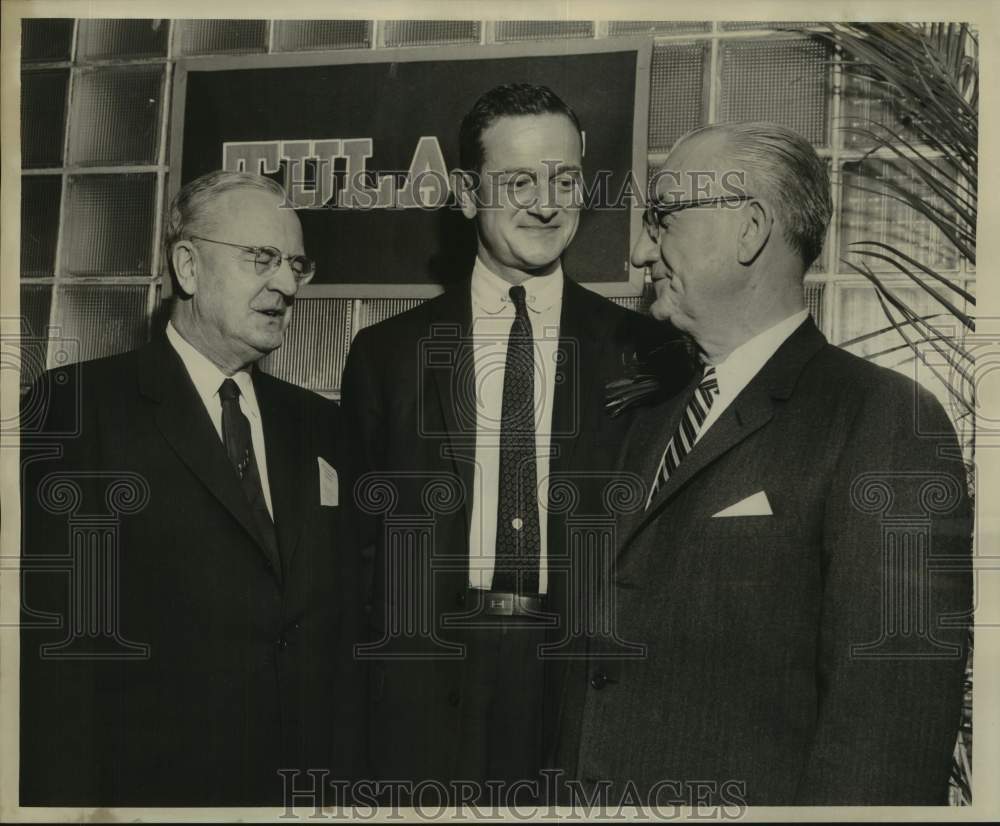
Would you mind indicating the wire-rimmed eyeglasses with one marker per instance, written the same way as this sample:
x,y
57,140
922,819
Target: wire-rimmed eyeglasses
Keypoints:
x,y
267,260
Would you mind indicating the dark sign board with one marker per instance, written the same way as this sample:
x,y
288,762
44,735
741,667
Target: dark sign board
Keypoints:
x,y
394,230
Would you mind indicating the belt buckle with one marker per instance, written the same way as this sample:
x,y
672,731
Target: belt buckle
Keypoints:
x,y
499,604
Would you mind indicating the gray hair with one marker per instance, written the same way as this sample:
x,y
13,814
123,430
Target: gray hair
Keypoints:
x,y
191,205
785,170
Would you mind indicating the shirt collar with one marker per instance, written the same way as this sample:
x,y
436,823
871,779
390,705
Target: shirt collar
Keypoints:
x,y
491,294
743,363
206,375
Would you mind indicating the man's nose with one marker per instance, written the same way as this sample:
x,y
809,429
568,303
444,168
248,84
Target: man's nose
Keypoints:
x,y
544,206
646,251
283,279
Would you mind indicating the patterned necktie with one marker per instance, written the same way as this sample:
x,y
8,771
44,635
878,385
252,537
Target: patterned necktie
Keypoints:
x,y
518,537
239,447
682,441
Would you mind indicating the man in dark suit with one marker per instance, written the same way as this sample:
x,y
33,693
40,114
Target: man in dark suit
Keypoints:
x,y
799,575
482,433
188,503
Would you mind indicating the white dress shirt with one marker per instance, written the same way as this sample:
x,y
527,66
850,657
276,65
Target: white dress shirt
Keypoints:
x,y
207,379
492,318
738,368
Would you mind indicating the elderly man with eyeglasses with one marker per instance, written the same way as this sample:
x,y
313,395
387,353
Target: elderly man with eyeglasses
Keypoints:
x,y
214,650
799,575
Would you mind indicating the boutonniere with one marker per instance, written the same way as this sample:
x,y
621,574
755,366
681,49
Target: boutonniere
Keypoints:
x,y
651,376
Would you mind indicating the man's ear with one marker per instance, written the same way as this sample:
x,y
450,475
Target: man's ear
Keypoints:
x,y
185,263
466,187
755,230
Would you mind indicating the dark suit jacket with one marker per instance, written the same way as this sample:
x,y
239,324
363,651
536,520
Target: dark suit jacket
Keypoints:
x,y
226,663
782,663
408,396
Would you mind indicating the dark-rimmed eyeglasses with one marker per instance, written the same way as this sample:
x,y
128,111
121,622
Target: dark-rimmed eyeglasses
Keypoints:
x,y
267,260
657,212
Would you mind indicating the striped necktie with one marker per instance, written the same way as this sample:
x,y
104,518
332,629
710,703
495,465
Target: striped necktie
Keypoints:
x,y
682,441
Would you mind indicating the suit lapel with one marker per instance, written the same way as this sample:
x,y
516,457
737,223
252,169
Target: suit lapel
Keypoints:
x,y
751,410
451,329
287,465
577,343
569,418
647,439
181,417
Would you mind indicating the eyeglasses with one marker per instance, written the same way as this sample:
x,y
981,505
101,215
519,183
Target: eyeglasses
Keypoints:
x,y
657,212
267,260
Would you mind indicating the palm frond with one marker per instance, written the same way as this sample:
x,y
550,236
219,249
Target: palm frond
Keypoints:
x,y
953,232
888,351
951,171
947,282
948,169
961,392
918,354
926,76
876,334
966,320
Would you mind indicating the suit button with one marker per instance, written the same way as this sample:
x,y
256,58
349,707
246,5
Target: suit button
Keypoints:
x,y
454,697
281,643
599,680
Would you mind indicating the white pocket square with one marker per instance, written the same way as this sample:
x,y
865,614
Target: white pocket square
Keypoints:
x,y
329,484
756,505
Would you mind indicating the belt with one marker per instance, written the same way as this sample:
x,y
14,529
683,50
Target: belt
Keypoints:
x,y
502,604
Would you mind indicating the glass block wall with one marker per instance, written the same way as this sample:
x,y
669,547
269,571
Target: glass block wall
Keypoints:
x,y
95,111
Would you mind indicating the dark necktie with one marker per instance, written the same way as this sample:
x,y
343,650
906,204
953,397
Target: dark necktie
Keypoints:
x,y
518,538
239,447
682,441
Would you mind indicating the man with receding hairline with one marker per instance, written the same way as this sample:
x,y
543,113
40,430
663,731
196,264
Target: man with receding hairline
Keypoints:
x,y
799,574
225,657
